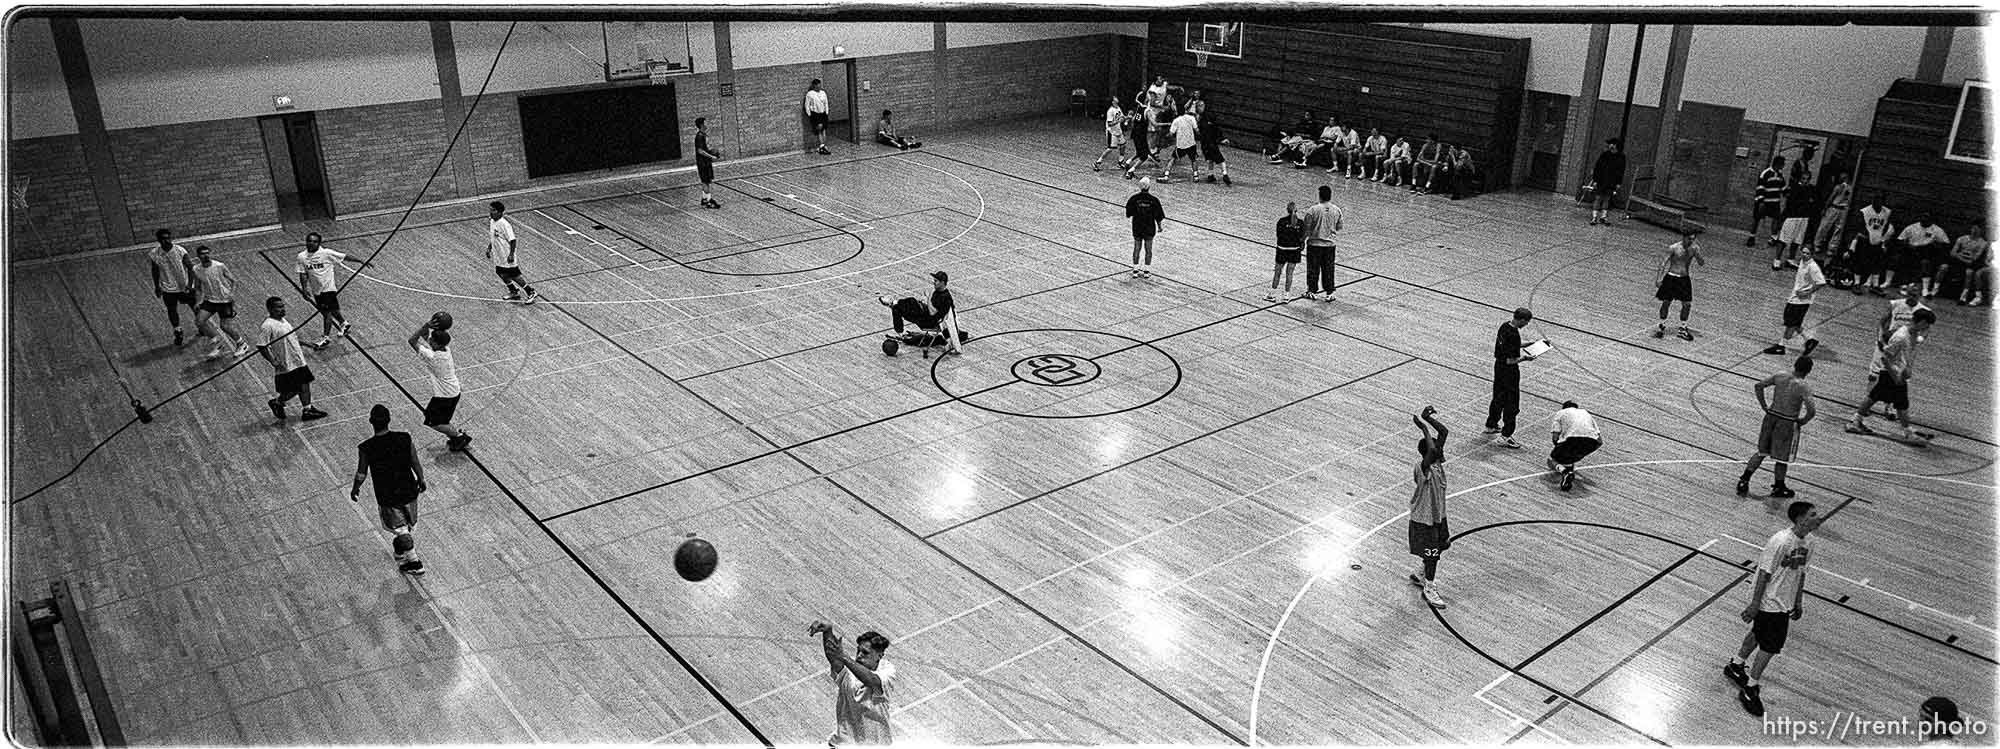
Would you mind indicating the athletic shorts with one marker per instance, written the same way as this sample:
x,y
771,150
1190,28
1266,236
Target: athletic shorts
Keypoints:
x,y
440,410
397,512
1675,288
1795,315
1571,450
1770,628
1186,153
328,302
224,310
1430,540
172,298
1213,153
1896,394
1793,231
507,275
1114,138
705,170
1288,255
1766,209
292,382
818,120
1778,437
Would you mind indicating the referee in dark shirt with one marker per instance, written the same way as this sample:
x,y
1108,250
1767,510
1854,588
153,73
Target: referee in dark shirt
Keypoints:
x,y
1507,358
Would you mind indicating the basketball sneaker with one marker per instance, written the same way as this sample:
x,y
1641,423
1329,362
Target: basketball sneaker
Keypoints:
x,y
277,408
824,152
346,327
1736,674
412,567
533,297
1098,166
177,337
1508,442
1225,183
1490,430
1568,478
1743,487
459,443
1777,349
1272,297
243,348
1659,332
1684,334
1417,579
1811,343
310,414
1752,703
1434,597
322,343
1780,491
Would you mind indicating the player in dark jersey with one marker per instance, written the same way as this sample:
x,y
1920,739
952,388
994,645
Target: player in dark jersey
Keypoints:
x,y
704,162
399,478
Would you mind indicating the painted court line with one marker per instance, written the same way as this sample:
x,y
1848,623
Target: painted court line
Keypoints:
x,y
1909,604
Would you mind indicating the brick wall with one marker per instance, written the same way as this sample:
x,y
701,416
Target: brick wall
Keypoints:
x,y
901,83
1005,81
770,107
197,178
378,156
62,215
1578,151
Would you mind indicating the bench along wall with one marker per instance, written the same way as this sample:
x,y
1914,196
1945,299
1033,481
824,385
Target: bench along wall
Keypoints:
x,y
1408,82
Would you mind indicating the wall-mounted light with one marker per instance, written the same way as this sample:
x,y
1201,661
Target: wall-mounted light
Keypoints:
x,y
839,51
281,102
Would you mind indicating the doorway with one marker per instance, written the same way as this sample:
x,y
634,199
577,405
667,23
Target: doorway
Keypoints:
x,y
837,77
298,176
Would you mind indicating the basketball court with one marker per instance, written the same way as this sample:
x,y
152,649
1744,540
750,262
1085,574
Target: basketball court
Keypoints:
x,y
1134,511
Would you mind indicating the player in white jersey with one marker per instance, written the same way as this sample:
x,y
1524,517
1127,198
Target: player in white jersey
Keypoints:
x,y
1115,123
433,345
500,247
314,266
215,314
280,346
169,264
1430,533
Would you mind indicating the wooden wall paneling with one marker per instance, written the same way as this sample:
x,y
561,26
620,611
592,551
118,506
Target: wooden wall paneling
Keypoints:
x,y
1905,159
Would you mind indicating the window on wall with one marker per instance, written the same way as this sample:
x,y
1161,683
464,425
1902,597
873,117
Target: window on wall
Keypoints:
x,y
1971,136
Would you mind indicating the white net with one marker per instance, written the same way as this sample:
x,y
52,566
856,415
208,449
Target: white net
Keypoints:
x,y
1200,58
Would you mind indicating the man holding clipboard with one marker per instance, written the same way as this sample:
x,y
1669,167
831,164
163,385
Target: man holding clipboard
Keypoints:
x,y
1507,357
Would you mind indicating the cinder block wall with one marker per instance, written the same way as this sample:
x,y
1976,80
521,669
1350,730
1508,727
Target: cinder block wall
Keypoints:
x,y
61,215
193,177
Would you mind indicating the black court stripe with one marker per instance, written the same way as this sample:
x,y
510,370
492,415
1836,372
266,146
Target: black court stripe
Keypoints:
x,y
1459,297
1439,615
576,559
1163,450
1585,624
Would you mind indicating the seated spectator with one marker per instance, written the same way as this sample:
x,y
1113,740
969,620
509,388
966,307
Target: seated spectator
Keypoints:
x,y
885,134
1349,153
1318,151
1398,162
1286,138
1464,174
1373,151
1968,256
1428,158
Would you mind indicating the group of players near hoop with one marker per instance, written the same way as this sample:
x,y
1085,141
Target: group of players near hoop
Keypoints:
x,y
1170,118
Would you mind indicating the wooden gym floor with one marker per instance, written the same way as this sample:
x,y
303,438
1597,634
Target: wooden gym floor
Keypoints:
x,y
1203,545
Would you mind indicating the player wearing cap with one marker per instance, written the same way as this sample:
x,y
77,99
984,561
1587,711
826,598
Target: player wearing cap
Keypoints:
x,y
399,479
925,315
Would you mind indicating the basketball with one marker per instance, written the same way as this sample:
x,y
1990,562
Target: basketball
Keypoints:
x,y
695,560
441,320
889,346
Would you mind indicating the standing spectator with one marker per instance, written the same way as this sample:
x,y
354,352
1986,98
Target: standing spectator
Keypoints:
x,y
1968,257
1430,531
433,345
1398,162
170,267
1769,201
885,134
1785,415
1870,247
1291,242
314,266
1573,435
500,247
861,707
704,162
1322,222
1836,212
1212,142
1676,282
1775,602
1148,219
215,286
1607,177
1806,282
1507,358
279,345
399,480
816,113
1798,211
1114,135
1890,370
1373,151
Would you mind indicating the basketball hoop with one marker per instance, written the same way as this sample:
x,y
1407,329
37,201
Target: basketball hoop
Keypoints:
x,y
1200,58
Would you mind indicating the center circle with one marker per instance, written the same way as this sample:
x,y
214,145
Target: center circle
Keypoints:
x,y
1059,373
1056,370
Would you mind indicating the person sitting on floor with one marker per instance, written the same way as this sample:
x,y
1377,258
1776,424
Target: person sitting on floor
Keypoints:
x,y
1430,158
1290,137
885,134
1321,149
1464,173
935,315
